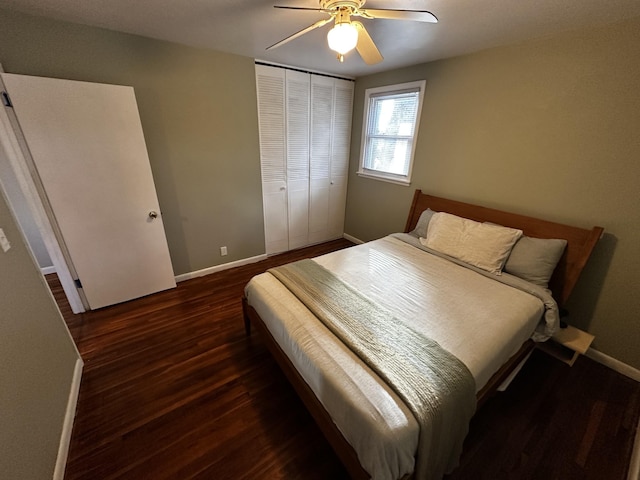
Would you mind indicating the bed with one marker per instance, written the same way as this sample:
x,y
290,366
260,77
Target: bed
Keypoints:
x,y
478,319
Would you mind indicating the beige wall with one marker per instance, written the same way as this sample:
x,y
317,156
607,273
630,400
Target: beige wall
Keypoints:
x,y
37,360
546,128
199,115
549,128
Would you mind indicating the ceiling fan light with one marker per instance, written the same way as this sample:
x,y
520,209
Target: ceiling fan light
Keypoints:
x,y
342,38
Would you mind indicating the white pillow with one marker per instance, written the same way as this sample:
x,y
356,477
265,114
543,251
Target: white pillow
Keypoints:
x,y
483,245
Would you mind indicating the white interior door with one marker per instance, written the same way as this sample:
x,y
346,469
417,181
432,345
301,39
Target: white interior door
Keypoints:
x,y
88,148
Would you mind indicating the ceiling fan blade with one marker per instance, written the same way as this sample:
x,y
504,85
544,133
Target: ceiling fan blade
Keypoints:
x,y
303,8
318,24
365,46
415,15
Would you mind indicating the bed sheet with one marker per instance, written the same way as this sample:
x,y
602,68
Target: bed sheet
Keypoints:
x,y
479,320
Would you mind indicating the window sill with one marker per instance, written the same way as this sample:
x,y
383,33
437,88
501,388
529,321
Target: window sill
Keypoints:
x,y
397,180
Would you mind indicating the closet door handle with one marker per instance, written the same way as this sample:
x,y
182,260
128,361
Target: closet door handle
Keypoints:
x,y
282,189
153,215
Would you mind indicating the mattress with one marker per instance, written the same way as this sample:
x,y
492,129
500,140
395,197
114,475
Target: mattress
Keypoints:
x,y
481,321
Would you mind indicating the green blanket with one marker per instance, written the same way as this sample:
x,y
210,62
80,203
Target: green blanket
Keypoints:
x,y
436,386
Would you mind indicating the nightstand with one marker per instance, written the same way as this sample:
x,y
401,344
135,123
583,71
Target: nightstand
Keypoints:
x,y
567,344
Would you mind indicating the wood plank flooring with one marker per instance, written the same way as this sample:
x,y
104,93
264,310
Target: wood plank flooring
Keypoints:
x,y
173,389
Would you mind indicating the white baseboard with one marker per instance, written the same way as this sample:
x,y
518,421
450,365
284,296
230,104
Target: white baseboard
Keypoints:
x,y
634,465
352,239
634,374
67,426
219,268
239,263
48,270
613,364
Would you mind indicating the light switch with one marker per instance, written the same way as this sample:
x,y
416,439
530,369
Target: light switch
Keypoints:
x,y
4,243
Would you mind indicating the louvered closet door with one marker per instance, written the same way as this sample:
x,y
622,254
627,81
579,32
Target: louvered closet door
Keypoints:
x,y
322,107
340,149
297,114
305,130
270,83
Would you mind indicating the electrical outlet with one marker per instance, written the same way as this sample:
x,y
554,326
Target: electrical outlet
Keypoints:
x,y
4,243
223,251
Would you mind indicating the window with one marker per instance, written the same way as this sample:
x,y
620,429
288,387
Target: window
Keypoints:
x,y
390,126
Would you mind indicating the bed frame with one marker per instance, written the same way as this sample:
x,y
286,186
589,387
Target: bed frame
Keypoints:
x,y
580,244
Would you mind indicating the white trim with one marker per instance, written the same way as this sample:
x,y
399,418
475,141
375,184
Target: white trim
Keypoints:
x,y
245,261
634,374
346,236
17,153
634,465
48,270
614,364
385,178
219,268
269,63
67,426
388,90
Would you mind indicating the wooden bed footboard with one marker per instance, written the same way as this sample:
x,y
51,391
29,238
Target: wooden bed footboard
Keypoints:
x,y
341,447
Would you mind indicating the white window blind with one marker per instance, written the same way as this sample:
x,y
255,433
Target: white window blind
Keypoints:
x,y
390,128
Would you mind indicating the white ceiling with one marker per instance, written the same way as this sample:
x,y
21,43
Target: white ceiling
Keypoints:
x,y
247,27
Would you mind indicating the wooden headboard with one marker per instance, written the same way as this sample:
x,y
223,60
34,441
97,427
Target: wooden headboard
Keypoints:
x,y
580,241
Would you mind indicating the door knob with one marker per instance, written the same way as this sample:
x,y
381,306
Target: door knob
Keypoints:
x,y
153,215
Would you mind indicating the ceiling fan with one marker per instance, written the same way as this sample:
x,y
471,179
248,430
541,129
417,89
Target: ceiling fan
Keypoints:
x,y
348,34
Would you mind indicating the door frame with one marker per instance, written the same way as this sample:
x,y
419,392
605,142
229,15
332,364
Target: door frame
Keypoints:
x,y
20,161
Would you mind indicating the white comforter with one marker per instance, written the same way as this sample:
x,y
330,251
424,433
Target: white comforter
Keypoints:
x,y
479,320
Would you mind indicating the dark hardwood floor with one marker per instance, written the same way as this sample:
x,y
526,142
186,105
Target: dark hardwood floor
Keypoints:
x,y
173,389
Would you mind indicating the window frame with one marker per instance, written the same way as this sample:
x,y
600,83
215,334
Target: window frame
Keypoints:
x,y
383,91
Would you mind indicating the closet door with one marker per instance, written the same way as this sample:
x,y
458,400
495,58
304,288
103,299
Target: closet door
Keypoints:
x,y
270,84
322,108
305,131
297,159
340,149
